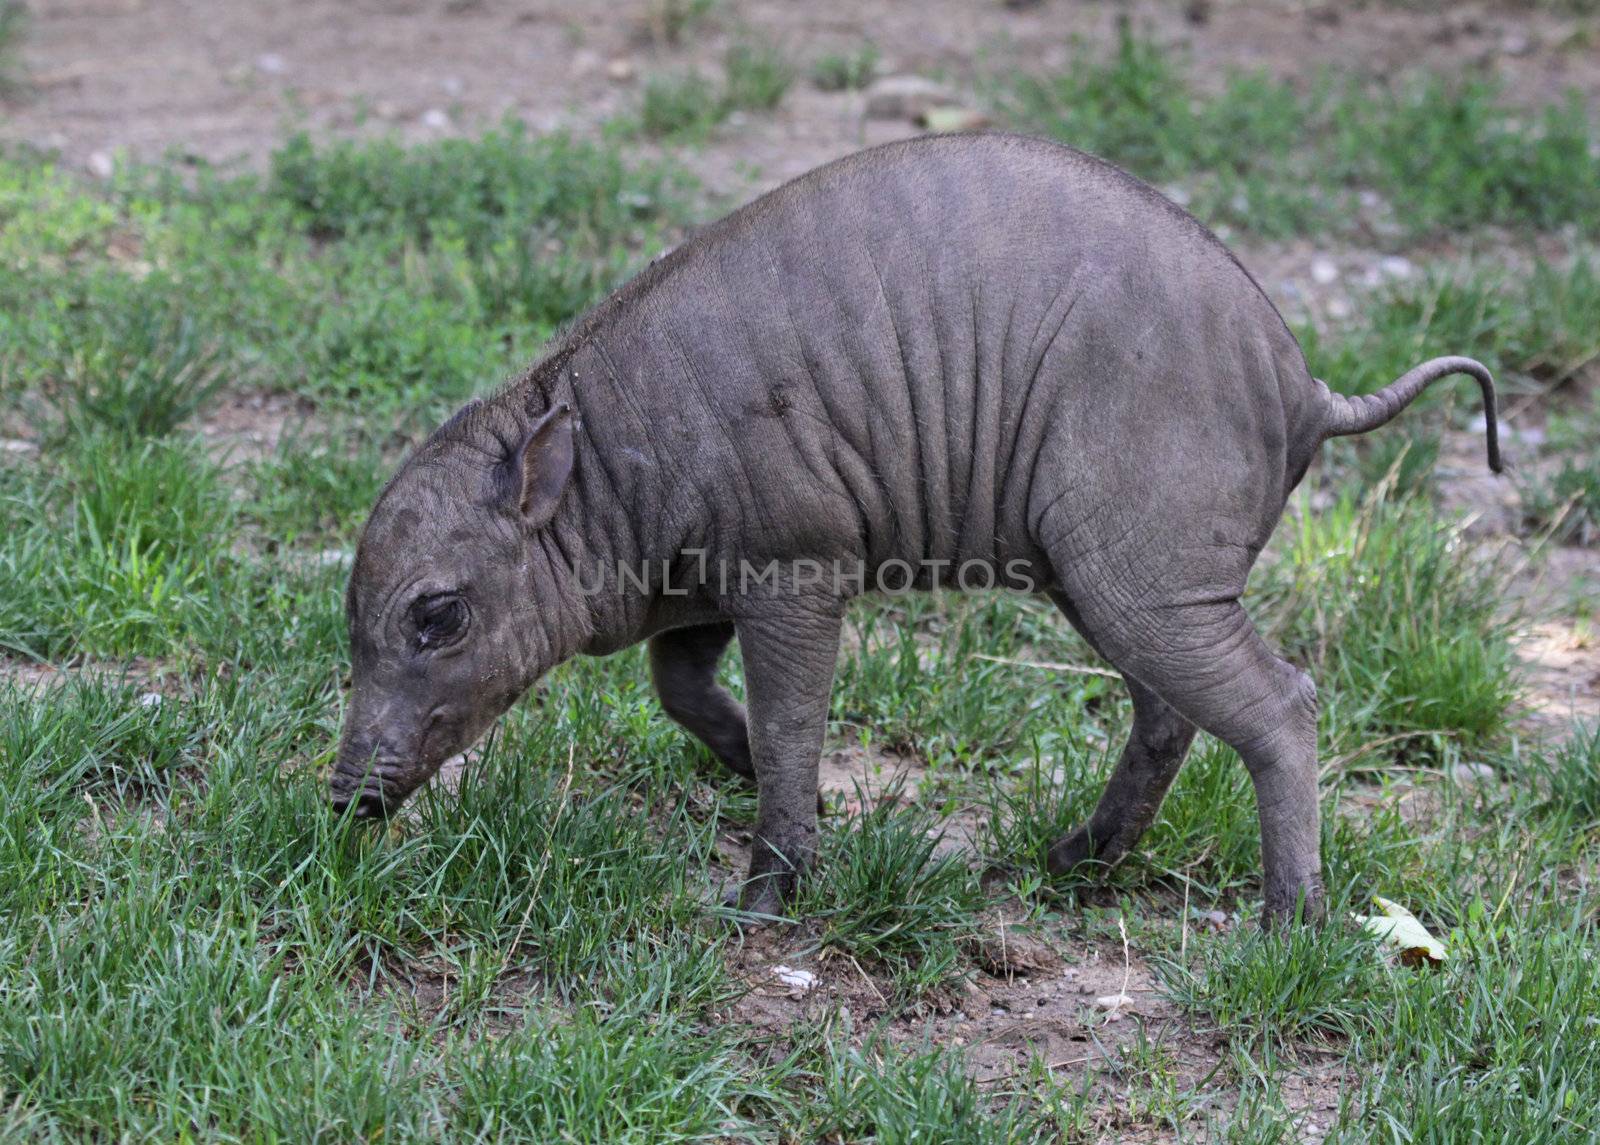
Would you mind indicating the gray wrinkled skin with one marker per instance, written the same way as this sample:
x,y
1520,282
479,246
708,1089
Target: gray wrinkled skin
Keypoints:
x,y
964,348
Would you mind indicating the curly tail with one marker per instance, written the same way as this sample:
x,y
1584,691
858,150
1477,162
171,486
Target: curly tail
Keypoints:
x,y
1347,415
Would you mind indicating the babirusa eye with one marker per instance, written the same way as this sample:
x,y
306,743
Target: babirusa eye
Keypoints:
x,y
438,619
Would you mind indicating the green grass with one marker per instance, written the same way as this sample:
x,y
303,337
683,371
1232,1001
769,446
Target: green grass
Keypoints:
x,y
1258,987
670,21
13,23
1278,159
1406,637
893,901
192,946
686,106
1565,500
845,71
680,106
1535,329
757,75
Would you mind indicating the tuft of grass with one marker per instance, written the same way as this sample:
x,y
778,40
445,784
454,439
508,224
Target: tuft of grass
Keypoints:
x,y
1534,329
117,554
756,76
1566,778
1497,1044
1448,155
1399,624
139,367
680,106
846,71
688,105
1271,988
1031,808
669,21
619,1078
878,1091
13,23
892,900
1567,501
1440,155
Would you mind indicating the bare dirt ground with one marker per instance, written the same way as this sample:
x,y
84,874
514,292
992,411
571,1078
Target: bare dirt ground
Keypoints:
x,y
223,80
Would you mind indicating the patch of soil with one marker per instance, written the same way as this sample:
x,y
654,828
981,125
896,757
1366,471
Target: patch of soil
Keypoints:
x,y
243,427
1561,667
1029,1002
149,676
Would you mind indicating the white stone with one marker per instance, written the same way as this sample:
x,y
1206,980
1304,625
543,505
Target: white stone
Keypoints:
x,y
1324,270
150,700
906,97
802,981
271,64
1339,308
101,165
1396,266
436,119
1114,1002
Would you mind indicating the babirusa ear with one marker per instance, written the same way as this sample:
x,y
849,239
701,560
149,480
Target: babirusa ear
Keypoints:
x,y
541,465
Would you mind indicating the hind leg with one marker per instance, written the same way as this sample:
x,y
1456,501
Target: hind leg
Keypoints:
x,y
1150,760
1206,661
683,665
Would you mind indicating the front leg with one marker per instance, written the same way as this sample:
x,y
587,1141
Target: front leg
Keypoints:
x,y
790,647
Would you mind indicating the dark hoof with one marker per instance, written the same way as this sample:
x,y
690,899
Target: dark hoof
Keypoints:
x,y
758,903
368,805
1071,851
1305,905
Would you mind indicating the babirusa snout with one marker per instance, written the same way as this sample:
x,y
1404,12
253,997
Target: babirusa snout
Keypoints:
x,y
357,777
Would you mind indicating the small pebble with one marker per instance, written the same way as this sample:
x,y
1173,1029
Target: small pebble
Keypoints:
x,y
906,97
101,165
1324,271
620,71
150,700
436,119
800,981
1396,266
271,64
1114,1002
